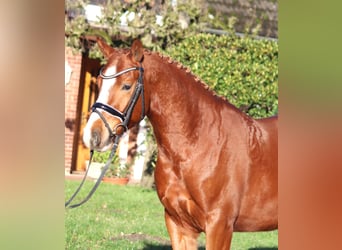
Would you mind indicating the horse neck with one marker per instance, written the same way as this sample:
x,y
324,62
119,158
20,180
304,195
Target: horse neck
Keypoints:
x,y
178,102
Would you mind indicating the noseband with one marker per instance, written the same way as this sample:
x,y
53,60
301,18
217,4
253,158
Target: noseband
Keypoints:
x,y
126,115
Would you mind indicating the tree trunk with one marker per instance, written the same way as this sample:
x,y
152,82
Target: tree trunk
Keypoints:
x,y
147,179
132,144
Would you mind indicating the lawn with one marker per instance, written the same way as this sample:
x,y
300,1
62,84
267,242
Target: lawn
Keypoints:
x,y
127,217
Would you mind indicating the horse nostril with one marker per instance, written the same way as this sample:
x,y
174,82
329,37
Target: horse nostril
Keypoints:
x,y
95,138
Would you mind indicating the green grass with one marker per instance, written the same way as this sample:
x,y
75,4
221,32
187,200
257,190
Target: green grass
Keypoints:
x,y
126,217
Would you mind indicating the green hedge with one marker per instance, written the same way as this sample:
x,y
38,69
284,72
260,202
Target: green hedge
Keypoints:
x,y
244,70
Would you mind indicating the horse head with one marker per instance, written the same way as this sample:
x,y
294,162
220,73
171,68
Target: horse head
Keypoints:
x,y
120,103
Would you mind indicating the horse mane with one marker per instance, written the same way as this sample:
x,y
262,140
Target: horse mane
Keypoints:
x,y
186,69
180,66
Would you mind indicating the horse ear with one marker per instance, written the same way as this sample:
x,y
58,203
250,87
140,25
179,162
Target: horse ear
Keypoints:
x,y
137,50
104,47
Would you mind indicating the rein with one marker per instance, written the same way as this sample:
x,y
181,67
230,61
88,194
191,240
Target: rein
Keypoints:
x,y
104,170
124,118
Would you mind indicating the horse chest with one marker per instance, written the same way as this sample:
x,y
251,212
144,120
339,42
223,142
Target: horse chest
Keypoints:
x,y
179,204
183,209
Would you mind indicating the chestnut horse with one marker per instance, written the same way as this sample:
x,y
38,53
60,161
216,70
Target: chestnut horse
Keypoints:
x,y
217,167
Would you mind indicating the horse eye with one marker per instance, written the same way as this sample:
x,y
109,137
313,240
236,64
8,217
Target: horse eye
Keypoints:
x,y
126,87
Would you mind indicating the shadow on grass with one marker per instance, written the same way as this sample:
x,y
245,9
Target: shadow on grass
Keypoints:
x,y
263,248
152,246
156,246
152,242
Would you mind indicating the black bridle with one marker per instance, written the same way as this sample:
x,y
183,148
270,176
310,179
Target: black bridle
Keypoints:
x,y
124,117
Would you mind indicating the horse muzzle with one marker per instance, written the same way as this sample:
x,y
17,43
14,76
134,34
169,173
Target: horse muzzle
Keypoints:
x,y
96,136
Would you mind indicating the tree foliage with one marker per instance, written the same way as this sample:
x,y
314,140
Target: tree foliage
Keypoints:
x,y
157,25
242,69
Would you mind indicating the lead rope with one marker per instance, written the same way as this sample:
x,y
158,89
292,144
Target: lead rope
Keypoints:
x,y
92,191
84,178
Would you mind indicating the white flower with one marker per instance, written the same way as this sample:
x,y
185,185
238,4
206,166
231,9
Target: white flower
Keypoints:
x,y
159,20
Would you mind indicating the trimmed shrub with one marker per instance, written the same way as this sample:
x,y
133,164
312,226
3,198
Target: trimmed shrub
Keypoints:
x,y
242,69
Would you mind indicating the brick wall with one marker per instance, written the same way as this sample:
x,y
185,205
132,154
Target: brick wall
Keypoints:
x,y
71,95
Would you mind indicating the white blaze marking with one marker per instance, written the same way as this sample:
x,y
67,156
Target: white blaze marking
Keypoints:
x,y
107,85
